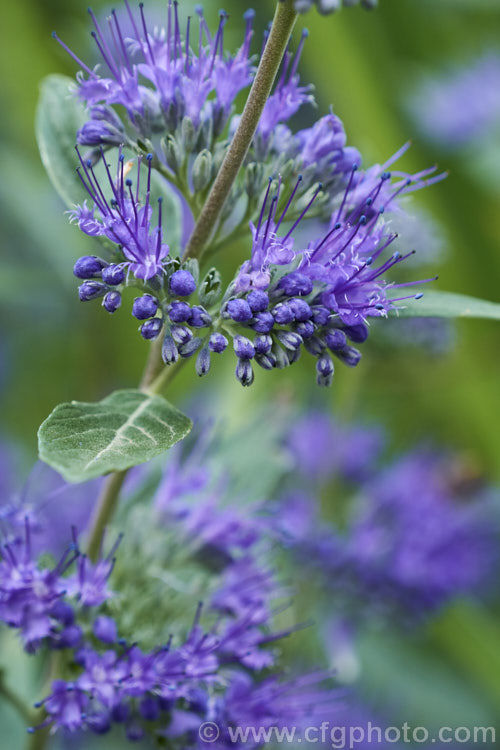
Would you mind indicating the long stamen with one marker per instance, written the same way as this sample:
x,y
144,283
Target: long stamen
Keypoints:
x,y
188,26
293,71
346,192
75,58
141,6
132,21
158,239
261,216
299,180
306,209
122,42
115,69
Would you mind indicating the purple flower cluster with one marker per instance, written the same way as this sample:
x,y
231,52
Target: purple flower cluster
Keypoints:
x,y
462,105
410,542
219,670
159,78
36,600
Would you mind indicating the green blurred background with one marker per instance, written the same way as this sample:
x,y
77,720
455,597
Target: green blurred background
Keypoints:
x,y
52,348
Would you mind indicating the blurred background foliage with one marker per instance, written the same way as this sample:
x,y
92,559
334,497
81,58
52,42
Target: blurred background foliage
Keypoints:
x,y
52,348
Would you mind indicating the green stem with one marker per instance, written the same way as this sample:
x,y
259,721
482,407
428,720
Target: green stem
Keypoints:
x,y
9,696
283,23
155,377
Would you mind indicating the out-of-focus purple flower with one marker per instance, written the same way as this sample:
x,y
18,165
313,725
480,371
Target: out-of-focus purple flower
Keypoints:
x,y
29,594
322,448
461,105
410,544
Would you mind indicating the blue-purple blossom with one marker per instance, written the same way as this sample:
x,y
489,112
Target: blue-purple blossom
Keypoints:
x,y
123,220
460,106
322,448
161,76
409,544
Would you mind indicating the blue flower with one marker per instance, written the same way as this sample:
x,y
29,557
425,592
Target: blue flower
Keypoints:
x,y
181,75
123,220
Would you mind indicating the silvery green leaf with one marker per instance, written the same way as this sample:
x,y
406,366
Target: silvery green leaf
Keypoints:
x,y
85,440
448,305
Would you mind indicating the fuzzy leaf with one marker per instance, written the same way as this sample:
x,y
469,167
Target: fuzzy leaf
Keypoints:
x,y
85,440
448,305
59,115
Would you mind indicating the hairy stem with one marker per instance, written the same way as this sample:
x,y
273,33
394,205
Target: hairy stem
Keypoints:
x,y
283,23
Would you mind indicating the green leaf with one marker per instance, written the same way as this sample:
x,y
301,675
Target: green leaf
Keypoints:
x,y
128,427
59,115
448,305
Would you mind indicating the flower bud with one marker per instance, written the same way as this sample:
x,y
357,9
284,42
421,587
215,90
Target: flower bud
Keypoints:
x,y
239,310
203,362
258,300
181,334
263,322
263,344
112,301
88,267
305,329
324,365
105,629
180,312
296,284
200,318
300,309
169,351
289,339
151,328
189,348
314,345
357,333
70,637
91,290
182,283
349,356
335,339
113,275
243,347
188,133
201,173
266,361
173,153
280,356
144,307
283,314
244,372
254,176
320,315
217,343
